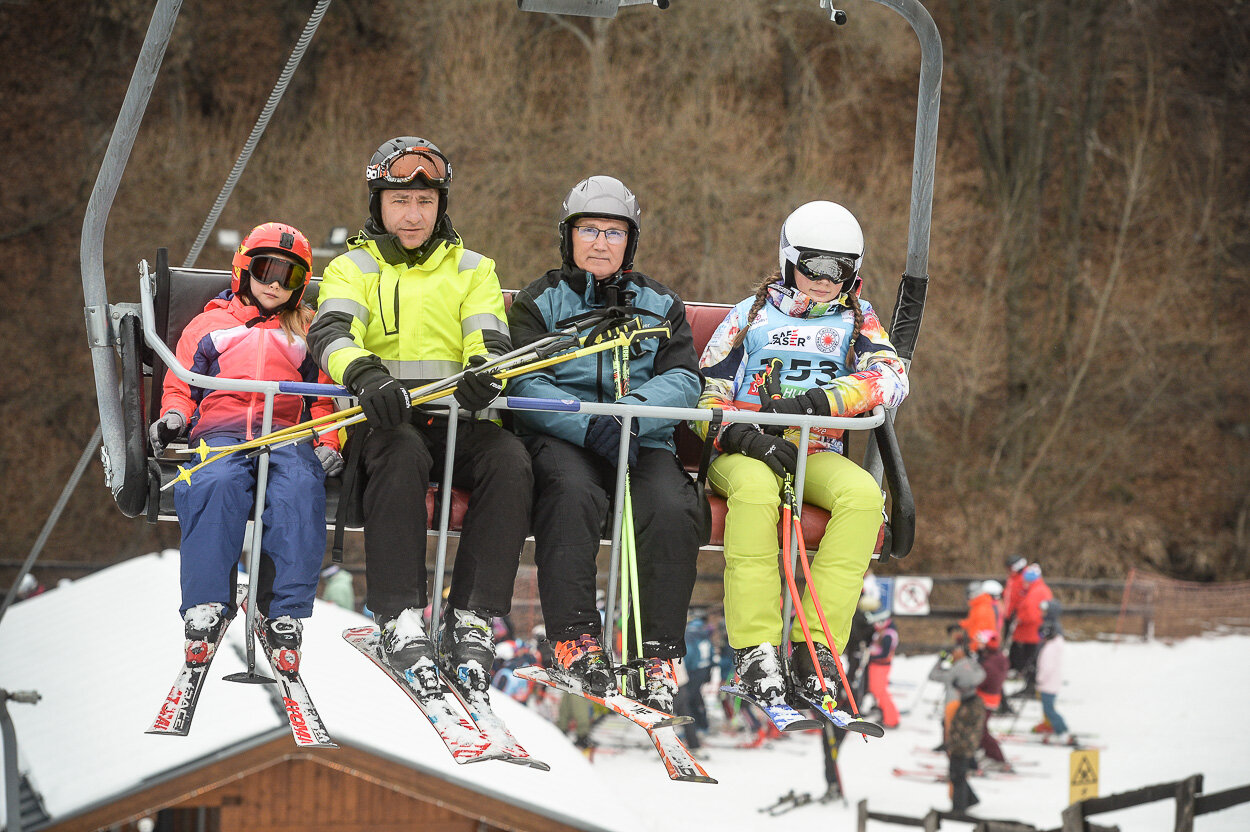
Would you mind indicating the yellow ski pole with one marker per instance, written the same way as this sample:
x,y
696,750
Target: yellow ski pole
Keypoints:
x,y
420,395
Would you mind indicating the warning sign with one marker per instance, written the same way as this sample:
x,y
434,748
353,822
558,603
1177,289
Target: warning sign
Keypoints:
x,y
1083,775
911,595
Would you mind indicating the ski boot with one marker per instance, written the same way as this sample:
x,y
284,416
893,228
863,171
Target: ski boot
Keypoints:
x,y
407,648
283,636
202,627
466,651
582,661
658,687
803,672
759,674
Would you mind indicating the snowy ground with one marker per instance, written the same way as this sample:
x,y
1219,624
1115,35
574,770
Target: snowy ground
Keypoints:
x,y
1112,690
80,750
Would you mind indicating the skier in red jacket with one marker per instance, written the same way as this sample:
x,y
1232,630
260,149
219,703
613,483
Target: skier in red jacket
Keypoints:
x,y
1026,639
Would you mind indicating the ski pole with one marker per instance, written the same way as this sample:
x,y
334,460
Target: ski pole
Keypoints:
x,y
301,430
820,612
424,394
631,597
769,385
787,563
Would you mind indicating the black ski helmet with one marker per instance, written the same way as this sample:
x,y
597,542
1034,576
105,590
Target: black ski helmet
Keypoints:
x,y
436,173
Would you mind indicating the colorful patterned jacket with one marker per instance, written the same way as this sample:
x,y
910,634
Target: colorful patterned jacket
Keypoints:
x,y
813,341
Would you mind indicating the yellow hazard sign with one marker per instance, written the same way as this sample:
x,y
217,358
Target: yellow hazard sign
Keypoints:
x,y
1083,775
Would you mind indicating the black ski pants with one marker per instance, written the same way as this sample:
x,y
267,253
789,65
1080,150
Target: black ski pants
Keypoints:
x,y
397,465
962,795
573,490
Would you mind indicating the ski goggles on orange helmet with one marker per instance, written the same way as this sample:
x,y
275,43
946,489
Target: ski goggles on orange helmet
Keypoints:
x,y
821,266
419,165
267,269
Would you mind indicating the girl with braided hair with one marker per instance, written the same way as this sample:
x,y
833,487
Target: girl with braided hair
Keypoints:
x,y
830,357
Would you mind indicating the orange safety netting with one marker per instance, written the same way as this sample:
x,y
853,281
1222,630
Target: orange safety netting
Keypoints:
x,y
1169,608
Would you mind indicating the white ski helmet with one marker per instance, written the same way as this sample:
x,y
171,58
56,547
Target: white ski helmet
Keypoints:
x,y
821,228
992,588
601,196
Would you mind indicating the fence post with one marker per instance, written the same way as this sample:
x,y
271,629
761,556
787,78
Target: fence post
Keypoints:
x,y
932,821
861,810
1074,818
1148,619
1186,791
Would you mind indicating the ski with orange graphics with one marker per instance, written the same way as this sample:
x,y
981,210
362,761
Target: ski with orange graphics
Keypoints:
x,y
661,728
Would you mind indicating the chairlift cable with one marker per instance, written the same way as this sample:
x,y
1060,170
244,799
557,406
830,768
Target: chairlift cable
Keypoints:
x,y
51,522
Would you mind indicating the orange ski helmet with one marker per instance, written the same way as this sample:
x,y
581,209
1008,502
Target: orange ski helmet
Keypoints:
x,y
273,237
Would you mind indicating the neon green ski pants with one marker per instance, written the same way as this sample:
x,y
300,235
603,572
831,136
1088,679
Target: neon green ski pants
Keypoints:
x,y
753,582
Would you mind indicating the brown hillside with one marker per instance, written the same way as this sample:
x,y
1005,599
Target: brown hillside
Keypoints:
x,y
1079,391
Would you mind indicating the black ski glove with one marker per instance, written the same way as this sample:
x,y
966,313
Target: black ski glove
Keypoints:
x,y
476,390
603,436
165,430
778,454
814,402
383,398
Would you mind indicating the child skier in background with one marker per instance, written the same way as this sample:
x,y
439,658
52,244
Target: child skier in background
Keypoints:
x,y
880,657
1050,673
254,330
835,359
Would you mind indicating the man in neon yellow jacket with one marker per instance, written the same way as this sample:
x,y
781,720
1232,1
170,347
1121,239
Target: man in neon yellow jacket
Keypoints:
x,y
409,304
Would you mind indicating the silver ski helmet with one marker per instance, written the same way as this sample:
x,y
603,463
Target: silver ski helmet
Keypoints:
x,y
407,162
816,232
606,197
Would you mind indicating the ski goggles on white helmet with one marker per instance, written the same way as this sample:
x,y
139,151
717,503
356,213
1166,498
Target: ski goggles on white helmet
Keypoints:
x,y
267,269
420,165
821,266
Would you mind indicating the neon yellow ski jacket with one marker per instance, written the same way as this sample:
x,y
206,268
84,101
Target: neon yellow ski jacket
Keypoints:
x,y
422,320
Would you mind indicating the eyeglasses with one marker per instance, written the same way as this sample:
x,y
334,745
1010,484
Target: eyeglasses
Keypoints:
x,y
404,166
266,269
825,267
588,234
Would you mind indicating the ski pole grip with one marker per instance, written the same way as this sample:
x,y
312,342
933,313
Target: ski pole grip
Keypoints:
x,y
527,403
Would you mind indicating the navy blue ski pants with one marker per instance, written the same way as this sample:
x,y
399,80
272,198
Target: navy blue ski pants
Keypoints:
x,y
213,511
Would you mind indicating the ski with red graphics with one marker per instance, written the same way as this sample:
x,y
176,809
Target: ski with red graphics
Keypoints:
x,y
174,717
477,706
307,727
463,740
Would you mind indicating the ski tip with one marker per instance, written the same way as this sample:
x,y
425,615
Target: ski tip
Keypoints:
x,y
157,732
870,729
326,744
696,778
481,758
802,725
528,761
673,722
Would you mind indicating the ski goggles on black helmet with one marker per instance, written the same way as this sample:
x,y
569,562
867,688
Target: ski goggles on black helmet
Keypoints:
x,y
820,266
411,166
267,269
